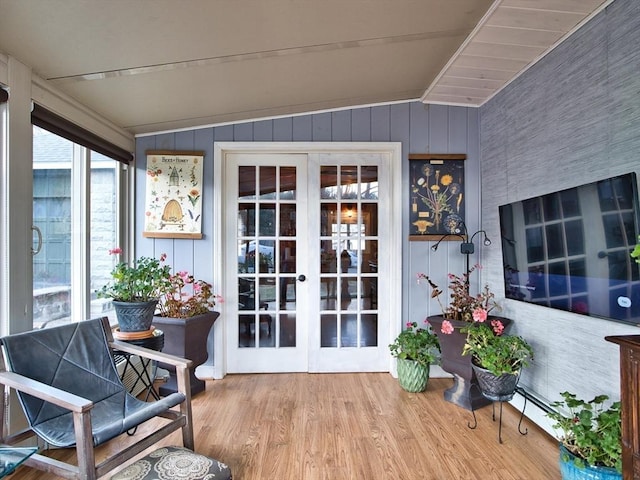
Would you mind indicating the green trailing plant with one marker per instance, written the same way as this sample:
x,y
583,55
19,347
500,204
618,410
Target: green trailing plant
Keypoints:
x,y
416,343
494,351
147,279
589,430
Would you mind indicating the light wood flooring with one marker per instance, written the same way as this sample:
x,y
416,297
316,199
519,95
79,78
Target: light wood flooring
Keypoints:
x,y
353,426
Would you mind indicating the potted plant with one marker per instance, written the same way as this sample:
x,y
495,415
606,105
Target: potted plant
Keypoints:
x,y
497,358
136,290
456,315
185,315
590,436
415,348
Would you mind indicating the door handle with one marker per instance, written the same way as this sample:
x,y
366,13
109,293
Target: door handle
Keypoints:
x,y
301,278
35,251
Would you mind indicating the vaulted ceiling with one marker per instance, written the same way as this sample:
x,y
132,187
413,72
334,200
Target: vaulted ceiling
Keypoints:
x,y
157,65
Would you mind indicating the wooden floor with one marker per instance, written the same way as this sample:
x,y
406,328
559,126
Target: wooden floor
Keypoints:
x,y
353,426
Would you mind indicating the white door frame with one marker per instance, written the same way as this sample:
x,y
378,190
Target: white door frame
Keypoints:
x,y
393,149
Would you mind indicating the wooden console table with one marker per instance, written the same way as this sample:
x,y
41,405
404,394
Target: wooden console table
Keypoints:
x,y
630,403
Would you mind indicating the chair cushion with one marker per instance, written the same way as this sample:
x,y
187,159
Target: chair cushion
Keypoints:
x,y
175,463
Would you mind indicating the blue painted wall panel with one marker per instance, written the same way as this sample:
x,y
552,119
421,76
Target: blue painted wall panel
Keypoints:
x,y
412,124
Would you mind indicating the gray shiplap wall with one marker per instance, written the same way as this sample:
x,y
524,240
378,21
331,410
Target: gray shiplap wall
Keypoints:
x,y
572,119
420,129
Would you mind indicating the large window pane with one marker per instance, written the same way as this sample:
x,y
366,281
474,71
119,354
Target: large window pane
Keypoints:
x,y
60,200
52,163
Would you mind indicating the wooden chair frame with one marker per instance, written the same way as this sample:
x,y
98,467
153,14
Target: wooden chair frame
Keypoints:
x,y
86,467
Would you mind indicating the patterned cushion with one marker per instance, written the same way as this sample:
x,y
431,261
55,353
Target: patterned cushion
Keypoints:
x,y
175,463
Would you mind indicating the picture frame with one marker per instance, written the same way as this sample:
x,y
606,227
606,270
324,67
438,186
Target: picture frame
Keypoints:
x,y
173,198
436,196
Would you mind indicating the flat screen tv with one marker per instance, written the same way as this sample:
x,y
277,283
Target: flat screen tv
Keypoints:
x,y
570,249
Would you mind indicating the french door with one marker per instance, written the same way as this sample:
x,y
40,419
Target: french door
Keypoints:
x,y
306,262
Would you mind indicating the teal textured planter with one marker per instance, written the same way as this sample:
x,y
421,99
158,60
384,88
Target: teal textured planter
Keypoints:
x,y
413,377
135,316
570,471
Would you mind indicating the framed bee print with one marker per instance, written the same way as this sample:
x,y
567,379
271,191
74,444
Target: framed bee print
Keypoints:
x,y
173,200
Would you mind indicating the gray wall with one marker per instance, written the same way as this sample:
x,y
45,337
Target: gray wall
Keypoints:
x,y
420,129
572,119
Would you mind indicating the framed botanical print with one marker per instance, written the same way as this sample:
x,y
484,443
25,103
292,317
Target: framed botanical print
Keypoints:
x,y
173,201
436,196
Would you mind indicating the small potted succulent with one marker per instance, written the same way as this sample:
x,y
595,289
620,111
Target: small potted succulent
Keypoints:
x,y
415,348
590,436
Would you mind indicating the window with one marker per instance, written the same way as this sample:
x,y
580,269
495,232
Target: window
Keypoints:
x,y
76,222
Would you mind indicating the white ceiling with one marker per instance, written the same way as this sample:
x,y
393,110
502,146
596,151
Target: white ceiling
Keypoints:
x,y
158,65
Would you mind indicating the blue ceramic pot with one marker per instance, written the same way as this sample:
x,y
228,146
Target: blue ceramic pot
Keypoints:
x,y
570,471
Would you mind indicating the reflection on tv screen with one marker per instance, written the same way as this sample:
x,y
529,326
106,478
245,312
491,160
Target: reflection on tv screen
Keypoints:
x,y
570,249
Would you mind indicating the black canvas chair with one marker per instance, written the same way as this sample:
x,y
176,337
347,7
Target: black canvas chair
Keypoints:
x,y
72,395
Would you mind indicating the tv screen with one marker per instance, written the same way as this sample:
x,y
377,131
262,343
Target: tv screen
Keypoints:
x,y
570,249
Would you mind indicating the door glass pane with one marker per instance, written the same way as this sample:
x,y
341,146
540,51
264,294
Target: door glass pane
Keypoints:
x,y
287,183
267,224
247,307
287,268
267,182
247,183
328,330
287,220
246,219
349,182
369,183
329,181
369,225
370,274
287,330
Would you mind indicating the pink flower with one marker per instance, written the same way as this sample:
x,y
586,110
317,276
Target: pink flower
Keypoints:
x,y
163,257
497,326
479,315
446,328
115,251
409,324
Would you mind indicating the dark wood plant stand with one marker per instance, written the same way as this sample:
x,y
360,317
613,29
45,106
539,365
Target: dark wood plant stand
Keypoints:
x,y
186,338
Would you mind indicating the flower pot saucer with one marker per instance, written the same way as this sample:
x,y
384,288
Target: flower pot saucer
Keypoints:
x,y
118,335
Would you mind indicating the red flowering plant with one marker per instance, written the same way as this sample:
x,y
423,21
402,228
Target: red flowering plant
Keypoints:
x,y
462,305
